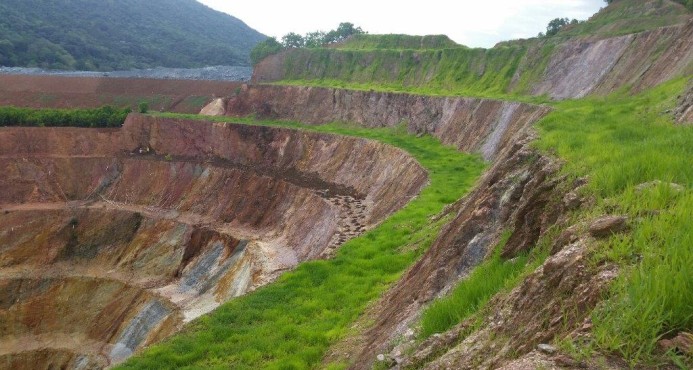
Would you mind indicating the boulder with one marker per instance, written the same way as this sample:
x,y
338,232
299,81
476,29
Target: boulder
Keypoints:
x,y
608,225
216,108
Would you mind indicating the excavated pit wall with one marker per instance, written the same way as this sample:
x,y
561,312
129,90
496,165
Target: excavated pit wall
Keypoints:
x,y
111,239
471,125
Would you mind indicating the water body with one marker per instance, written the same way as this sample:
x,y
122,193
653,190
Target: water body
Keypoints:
x,y
213,73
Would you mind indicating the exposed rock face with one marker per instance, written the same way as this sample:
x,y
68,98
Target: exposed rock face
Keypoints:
x,y
554,299
684,110
581,67
110,239
520,193
479,125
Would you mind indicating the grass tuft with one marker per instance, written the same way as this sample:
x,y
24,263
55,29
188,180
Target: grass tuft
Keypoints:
x,y
472,293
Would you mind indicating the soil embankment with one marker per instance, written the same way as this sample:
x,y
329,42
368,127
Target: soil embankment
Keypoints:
x,y
114,238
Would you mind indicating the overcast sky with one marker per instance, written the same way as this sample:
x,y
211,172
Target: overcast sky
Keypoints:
x,y
472,23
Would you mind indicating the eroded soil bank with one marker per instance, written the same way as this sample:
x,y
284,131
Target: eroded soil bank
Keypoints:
x,y
111,239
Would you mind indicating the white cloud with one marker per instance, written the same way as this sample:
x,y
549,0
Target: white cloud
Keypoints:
x,y
473,23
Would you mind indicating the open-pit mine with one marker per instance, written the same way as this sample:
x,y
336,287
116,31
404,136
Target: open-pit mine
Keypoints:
x,y
113,238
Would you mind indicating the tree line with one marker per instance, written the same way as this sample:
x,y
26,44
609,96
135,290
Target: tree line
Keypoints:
x,y
314,39
106,116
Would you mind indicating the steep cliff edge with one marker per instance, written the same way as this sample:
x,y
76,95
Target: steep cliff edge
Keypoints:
x,y
163,220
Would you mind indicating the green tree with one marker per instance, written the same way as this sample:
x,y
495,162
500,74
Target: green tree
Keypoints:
x,y
264,49
293,40
343,31
555,25
315,39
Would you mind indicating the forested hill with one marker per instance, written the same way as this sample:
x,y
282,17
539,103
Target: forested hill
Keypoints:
x,y
120,34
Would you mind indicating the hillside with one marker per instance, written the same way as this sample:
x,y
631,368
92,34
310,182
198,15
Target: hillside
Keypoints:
x,y
127,34
645,41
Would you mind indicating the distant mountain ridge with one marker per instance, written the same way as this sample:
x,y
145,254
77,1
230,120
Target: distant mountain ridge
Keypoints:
x,y
104,35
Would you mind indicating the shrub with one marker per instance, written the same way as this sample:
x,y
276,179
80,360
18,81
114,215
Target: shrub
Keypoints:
x,y
106,116
143,107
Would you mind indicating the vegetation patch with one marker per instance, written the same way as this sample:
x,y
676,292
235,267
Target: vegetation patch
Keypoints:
x,y
292,322
399,42
453,71
122,35
639,165
106,116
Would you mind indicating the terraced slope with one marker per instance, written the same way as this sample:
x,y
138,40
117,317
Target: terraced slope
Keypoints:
x,y
579,61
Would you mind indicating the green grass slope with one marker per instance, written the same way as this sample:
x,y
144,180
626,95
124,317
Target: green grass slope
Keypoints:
x,y
457,71
511,70
621,141
125,34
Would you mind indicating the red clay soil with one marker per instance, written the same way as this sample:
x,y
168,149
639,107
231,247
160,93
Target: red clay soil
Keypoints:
x,y
183,96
